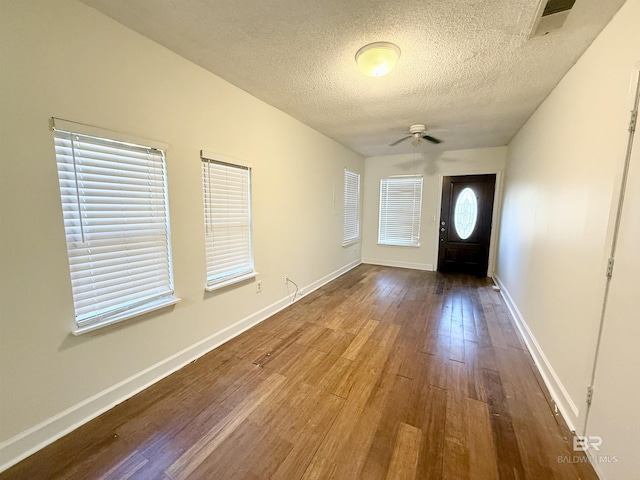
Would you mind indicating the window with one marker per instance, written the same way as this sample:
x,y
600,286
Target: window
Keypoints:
x,y
465,213
116,222
227,218
351,225
400,209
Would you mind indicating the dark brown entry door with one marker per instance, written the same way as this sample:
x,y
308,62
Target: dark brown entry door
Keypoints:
x,y
465,224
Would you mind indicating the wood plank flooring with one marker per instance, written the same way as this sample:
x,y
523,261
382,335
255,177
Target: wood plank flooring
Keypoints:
x,y
382,374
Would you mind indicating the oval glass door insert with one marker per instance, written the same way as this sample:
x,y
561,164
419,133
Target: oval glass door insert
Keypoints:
x,y
466,213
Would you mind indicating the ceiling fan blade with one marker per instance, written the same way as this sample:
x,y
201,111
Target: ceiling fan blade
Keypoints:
x,y
431,139
398,141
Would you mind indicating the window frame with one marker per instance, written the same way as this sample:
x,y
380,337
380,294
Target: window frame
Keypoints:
x,y
215,282
348,207
415,213
106,311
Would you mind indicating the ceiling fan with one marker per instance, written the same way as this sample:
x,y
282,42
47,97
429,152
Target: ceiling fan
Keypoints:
x,y
417,133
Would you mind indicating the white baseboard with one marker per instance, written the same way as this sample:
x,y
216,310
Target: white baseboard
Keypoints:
x,y
39,436
567,407
394,263
327,278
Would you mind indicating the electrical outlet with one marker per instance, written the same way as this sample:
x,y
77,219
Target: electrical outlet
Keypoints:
x,y
259,286
286,279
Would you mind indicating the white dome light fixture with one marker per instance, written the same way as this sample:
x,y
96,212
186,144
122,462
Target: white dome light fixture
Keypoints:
x,y
377,59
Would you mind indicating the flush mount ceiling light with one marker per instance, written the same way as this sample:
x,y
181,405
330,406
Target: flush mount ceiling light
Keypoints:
x,y
377,59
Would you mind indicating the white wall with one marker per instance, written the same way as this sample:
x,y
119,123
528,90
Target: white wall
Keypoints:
x,y
433,167
559,184
66,60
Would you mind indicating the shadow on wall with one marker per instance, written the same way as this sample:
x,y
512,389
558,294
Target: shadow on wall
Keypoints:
x,y
72,341
426,163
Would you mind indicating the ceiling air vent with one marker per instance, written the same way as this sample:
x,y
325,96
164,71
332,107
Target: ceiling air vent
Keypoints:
x,y
551,16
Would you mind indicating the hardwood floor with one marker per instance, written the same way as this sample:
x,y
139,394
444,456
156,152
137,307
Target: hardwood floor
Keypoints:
x,y
382,374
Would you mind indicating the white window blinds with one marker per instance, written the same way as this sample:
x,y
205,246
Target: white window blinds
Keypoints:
x,y
400,210
351,224
227,215
116,221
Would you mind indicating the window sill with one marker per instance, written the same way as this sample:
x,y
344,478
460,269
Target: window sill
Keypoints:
x,y
141,310
230,281
398,245
351,242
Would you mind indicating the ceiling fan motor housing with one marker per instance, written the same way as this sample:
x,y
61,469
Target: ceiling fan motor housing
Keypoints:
x,y
413,129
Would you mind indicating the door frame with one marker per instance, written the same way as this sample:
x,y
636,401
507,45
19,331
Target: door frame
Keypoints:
x,y
495,219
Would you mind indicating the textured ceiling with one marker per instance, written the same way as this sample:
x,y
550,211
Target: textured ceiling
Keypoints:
x,y
467,66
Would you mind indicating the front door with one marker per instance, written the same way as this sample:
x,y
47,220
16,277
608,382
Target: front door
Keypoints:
x,y
465,223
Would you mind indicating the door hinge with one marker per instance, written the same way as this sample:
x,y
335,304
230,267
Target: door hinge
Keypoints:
x,y
633,121
610,268
589,394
